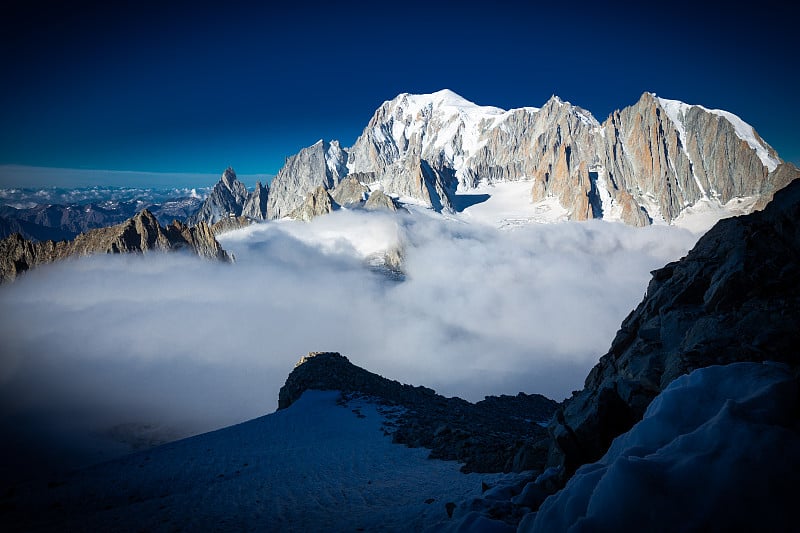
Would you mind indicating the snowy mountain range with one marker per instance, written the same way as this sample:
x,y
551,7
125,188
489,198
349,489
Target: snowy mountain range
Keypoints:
x,y
689,422
658,161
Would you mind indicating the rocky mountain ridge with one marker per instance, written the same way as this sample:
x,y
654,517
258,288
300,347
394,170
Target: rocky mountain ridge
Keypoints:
x,y
646,163
140,234
487,436
734,297
230,198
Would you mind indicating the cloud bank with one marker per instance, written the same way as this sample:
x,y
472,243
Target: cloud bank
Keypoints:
x,y
129,348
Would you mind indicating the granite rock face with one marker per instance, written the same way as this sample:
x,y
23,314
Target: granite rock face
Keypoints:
x,y
229,198
497,434
734,297
140,234
255,207
322,164
669,155
350,192
646,163
378,201
319,202
224,225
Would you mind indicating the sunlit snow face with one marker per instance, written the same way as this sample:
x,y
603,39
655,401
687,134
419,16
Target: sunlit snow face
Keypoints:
x,y
188,345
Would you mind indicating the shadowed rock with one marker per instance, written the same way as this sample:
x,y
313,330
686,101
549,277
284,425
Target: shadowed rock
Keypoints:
x,y
140,234
378,201
497,434
734,297
319,202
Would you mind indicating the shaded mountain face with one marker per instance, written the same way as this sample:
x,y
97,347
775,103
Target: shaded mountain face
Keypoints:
x,y
230,198
140,234
31,231
734,297
647,163
322,164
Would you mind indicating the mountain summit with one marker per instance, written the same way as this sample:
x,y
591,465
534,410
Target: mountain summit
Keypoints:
x,y
229,198
648,163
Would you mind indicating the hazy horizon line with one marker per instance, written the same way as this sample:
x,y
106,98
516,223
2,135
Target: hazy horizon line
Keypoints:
x,y
31,176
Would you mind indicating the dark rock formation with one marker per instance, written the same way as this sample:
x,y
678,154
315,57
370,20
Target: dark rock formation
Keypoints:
x,y
255,206
225,225
496,434
322,164
350,192
229,198
734,297
32,231
378,201
140,234
318,202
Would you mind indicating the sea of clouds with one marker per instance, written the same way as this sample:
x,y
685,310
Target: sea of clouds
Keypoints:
x,y
118,349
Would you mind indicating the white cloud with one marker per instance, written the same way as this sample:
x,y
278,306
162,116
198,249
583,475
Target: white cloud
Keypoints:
x,y
190,345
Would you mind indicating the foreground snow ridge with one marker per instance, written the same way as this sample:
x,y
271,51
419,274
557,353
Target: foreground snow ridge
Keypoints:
x,y
717,450
319,465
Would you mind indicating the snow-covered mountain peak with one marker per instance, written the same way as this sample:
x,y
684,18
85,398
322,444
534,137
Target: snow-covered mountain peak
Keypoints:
x,y
677,112
442,127
335,160
229,178
444,100
583,115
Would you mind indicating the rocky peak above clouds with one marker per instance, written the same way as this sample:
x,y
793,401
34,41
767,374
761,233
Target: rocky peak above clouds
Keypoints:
x,y
646,163
321,164
140,234
230,198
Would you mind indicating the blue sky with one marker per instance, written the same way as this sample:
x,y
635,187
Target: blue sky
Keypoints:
x,y
184,88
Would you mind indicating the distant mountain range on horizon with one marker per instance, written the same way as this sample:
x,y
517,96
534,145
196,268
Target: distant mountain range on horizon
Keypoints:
x,y
655,162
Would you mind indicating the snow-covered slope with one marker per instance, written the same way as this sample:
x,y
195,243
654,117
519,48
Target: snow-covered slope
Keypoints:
x,y
441,124
648,163
717,450
677,112
316,466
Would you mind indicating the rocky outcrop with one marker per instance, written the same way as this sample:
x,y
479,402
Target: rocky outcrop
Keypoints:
x,y
378,201
496,434
734,297
255,207
669,155
322,164
319,202
229,198
225,225
140,234
350,192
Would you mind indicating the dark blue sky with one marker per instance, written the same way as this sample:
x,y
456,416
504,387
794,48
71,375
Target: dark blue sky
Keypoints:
x,y
183,88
